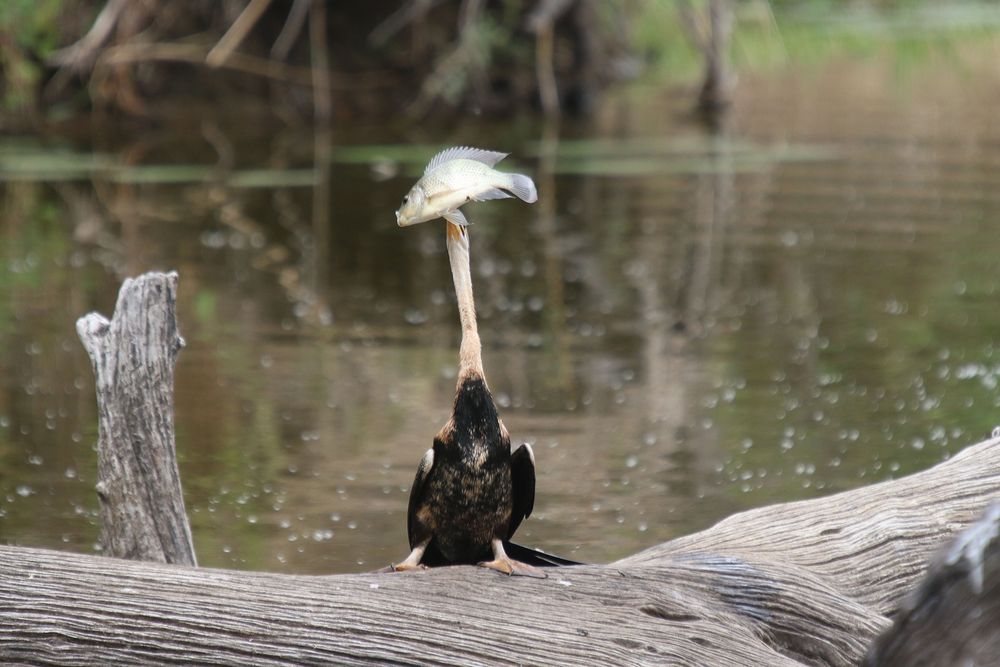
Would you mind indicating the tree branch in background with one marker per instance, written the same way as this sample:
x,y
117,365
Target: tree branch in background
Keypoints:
x,y
693,29
451,69
410,11
237,32
710,35
541,22
81,55
322,99
291,30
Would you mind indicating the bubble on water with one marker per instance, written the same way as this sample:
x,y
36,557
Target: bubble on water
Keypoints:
x,y
252,518
24,490
415,316
214,240
632,461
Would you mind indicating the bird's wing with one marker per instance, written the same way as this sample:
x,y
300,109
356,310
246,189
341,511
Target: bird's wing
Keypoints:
x,y
522,477
489,158
415,529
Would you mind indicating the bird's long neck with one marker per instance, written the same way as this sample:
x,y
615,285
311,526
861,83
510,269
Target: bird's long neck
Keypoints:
x,y
470,354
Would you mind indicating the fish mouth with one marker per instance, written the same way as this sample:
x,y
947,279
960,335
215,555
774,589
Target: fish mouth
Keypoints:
x,y
405,221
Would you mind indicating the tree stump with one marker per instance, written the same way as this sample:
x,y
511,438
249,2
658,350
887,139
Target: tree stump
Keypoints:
x,y
133,355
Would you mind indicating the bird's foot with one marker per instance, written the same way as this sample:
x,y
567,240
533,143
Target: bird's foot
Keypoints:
x,y
406,567
513,568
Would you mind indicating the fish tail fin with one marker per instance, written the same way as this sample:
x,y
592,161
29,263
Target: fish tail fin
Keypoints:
x,y
523,188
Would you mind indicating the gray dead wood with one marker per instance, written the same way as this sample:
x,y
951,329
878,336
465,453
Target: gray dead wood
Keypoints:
x,y
142,504
805,583
953,618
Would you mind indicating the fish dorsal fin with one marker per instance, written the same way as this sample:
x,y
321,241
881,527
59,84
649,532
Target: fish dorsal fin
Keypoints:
x,y
489,158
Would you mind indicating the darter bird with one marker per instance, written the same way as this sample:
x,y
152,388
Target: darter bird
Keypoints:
x,y
471,491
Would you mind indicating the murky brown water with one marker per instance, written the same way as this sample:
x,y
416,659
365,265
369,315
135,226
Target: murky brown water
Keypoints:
x,y
684,326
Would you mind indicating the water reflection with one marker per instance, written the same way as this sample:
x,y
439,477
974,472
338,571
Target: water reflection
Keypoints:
x,y
685,325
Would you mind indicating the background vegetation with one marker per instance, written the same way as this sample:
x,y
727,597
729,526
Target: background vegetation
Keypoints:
x,y
407,57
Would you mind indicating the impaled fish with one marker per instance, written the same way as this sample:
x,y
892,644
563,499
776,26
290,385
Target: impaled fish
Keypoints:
x,y
455,177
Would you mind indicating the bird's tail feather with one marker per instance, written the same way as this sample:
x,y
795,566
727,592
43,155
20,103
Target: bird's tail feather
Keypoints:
x,y
535,557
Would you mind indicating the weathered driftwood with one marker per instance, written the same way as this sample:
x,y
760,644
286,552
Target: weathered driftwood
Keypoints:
x,y
142,506
802,583
953,618
811,582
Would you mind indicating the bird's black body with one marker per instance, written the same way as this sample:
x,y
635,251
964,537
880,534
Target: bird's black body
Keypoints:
x,y
475,490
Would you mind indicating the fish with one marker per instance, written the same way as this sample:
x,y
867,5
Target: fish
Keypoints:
x,y
455,177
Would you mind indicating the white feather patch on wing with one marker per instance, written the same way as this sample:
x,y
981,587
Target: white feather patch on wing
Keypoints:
x,y
426,463
493,193
489,158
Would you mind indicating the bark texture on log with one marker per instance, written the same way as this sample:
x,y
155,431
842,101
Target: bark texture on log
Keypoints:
x,y
139,486
806,583
872,543
953,618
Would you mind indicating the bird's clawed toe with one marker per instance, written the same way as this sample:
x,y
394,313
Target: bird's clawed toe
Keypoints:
x,y
406,567
513,568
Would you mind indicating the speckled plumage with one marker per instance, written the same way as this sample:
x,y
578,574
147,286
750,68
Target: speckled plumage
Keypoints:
x,y
467,498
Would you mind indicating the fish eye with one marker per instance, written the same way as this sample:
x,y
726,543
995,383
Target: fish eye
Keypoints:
x,y
406,198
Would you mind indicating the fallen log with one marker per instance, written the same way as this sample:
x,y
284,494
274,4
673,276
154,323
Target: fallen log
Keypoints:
x,y
804,583
953,616
801,583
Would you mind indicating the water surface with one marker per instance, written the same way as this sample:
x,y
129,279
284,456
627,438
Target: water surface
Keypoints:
x,y
687,324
